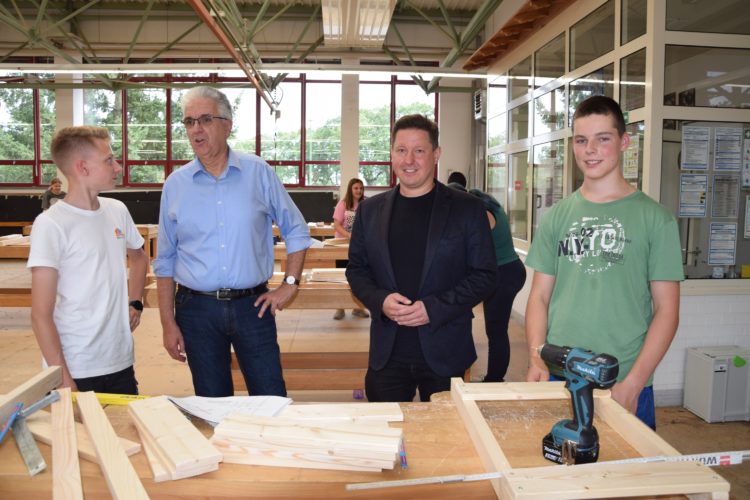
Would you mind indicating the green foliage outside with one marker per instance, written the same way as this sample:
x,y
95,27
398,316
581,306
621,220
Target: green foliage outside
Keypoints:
x,y
146,119
17,132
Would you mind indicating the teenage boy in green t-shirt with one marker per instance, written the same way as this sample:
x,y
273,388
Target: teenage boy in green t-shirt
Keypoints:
x,y
607,265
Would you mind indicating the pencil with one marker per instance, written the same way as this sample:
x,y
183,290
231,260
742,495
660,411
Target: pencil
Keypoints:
x,y
402,455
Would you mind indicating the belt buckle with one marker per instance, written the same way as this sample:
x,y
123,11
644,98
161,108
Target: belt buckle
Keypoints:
x,y
224,294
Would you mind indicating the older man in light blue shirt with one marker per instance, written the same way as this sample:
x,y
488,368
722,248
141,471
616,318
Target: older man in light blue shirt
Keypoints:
x,y
216,246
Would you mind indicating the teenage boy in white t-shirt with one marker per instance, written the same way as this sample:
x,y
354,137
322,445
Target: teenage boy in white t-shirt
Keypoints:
x,y
83,306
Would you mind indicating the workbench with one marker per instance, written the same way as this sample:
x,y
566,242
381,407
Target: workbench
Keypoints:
x,y
317,230
315,257
436,444
150,233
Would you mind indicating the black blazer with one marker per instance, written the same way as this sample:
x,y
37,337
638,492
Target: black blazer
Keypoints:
x,y
459,272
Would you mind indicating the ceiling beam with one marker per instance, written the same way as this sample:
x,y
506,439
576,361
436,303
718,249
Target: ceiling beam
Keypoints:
x,y
224,40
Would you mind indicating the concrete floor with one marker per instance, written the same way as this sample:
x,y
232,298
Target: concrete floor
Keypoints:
x,y
303,330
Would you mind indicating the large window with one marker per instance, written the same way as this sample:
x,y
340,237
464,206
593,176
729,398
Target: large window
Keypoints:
x,y
323,134
301,141
26,115
518,195
549,161
591,37
706,76
381,102
598,82
497,177
549,61
633,81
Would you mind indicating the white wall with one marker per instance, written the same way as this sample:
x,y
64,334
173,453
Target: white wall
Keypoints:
x,y
455,117
714,320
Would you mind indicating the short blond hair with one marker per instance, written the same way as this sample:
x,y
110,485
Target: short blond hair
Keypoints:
x,y
69,141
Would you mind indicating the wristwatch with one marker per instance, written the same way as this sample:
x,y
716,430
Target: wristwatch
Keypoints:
x,y
291,280
136,304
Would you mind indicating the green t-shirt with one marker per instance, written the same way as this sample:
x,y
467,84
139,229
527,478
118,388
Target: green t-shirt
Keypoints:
x,y
603,257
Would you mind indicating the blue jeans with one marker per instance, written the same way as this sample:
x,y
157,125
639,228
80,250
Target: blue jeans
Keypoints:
x,y
646,409
210,327
399,381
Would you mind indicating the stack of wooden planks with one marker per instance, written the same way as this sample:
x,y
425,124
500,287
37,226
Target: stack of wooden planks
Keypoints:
x,y
329,436
328,275
175,449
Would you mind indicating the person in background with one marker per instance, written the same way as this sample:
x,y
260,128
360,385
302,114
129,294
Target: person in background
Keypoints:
x,y
343,220
53,194
216,247
511,276
607,266
84,303
420,258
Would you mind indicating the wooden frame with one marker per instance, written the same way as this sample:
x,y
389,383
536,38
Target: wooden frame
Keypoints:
x,y
598,480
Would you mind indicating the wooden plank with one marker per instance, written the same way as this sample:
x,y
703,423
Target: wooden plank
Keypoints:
x,y
604,480
66,473
252,455
289,442
30,391
352,412
15,297
122,480
157,458
600,480
180,446
492,456
40,425
632,429
317,379
318,360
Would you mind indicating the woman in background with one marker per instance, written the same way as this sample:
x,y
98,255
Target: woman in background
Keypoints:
x,y
343,220
53,194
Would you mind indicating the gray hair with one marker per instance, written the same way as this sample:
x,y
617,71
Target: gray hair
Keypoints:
x,y
225,108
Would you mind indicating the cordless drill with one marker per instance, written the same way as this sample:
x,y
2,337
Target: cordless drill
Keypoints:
x,y
576,441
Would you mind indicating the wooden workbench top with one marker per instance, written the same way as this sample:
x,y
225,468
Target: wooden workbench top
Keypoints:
x,y
436,444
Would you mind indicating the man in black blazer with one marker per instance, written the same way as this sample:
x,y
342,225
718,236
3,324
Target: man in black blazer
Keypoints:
x,y
420,258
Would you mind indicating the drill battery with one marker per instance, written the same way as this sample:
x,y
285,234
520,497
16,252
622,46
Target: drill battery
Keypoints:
x,y
569,452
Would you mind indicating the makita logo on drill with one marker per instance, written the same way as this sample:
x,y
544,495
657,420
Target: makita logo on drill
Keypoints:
x,y
585,369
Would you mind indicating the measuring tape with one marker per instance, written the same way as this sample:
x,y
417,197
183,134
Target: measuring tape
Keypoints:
x,y
710,459
114,399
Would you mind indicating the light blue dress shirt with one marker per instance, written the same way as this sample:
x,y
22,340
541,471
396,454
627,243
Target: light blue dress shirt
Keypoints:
x,y
217,232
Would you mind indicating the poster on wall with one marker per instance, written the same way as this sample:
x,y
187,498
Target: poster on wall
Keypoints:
x,y
630,158
747,217
695,142
722,243
746,160
693,189
727,148
726,199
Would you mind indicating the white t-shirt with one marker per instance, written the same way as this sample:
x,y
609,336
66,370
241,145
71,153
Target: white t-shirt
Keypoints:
x,y
89,250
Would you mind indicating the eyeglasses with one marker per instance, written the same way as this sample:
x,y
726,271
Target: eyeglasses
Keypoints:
x,y
203,120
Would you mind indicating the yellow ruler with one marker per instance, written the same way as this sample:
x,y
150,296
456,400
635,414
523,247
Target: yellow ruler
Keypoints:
x,y
114,399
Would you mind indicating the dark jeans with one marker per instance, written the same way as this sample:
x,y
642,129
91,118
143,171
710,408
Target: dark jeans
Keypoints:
x,y
122,382
399,381
210,327
646,409
497,309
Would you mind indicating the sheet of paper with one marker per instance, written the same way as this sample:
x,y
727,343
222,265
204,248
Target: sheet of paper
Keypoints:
x,y
214,410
